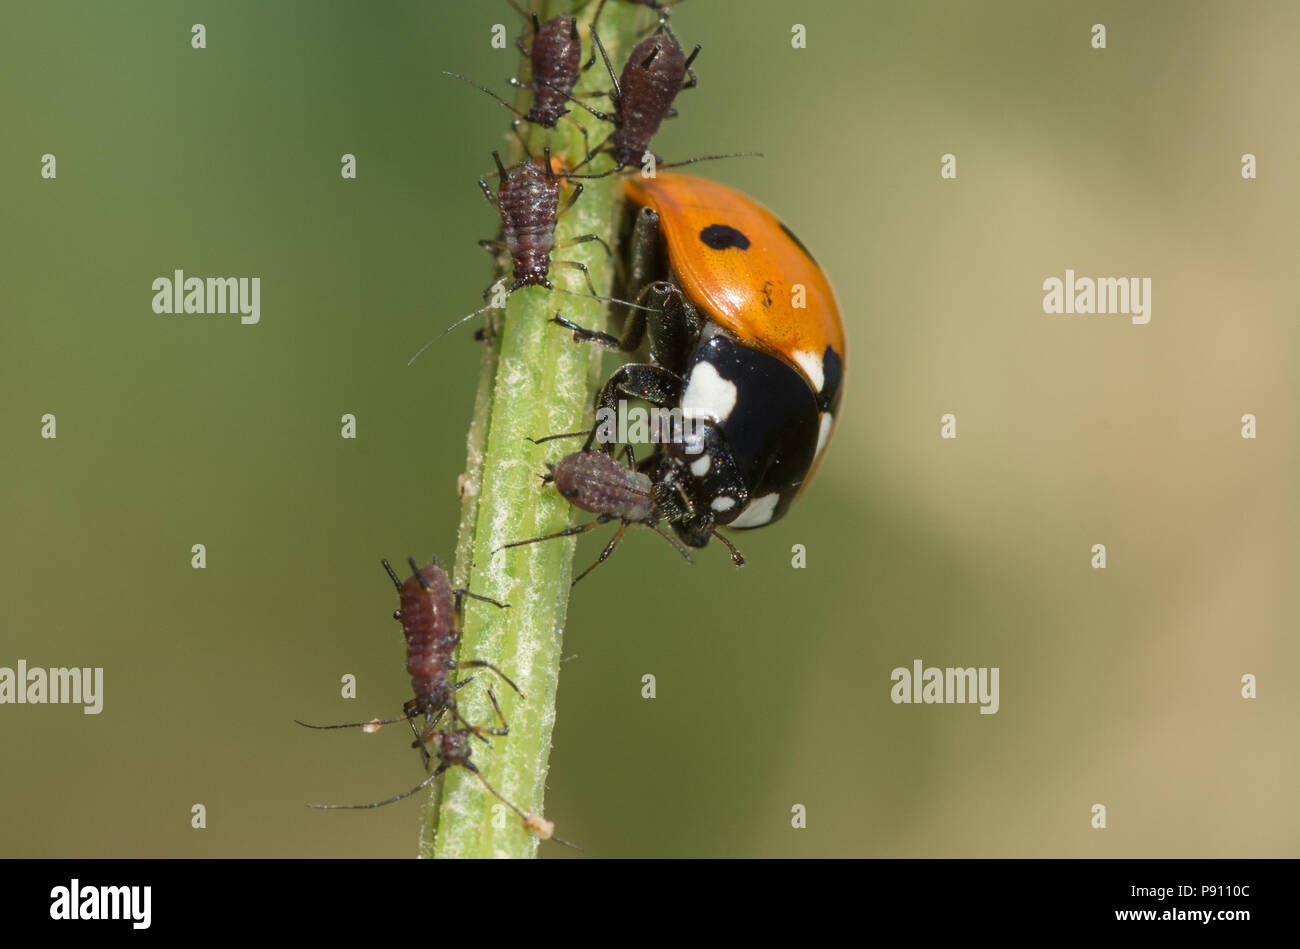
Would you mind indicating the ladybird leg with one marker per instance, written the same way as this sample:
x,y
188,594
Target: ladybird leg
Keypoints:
x,y
487,190
653,384
609,549
583,335
673,323
492,246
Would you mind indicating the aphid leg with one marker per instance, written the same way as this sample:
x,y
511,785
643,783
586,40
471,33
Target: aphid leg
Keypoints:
x,y
474,596
567,532
579,266
551,438
442,766
672,540
480,664
609,549
585,239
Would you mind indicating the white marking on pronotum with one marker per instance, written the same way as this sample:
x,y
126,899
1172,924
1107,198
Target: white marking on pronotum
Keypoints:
x,y
811,363
824,433
758,513
701,467
708,395
723,504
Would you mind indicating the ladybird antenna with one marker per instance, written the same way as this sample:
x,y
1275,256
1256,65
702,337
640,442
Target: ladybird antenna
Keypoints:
x,y
736,556
397,582
672,540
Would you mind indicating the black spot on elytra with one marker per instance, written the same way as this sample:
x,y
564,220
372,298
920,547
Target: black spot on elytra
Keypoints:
x,y
790,234
722,236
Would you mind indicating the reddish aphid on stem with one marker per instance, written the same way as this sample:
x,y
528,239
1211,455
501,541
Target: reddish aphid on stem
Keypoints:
x,y
431,613
555,60
527,200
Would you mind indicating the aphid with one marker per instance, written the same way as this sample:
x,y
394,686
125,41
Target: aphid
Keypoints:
x,y
430,613
597,482
453,748
656,70
528,201
555,60
745,340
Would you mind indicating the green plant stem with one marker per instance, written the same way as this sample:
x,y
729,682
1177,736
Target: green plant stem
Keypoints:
x,y
535,381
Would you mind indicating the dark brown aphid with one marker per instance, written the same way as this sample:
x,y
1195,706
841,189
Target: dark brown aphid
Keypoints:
x,y
555,60
528,202
454,747
596,481
656,70
430,614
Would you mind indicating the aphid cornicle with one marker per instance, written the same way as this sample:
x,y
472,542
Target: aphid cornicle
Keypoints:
x,y
596,482
745,338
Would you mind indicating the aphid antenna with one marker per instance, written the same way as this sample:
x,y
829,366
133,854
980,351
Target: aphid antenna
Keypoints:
x,y
483,309
373,723
672,164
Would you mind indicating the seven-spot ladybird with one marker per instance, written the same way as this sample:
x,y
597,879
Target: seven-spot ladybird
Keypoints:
x,y
745,338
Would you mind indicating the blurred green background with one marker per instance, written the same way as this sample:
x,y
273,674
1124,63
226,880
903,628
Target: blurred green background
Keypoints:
x,y
1118,686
